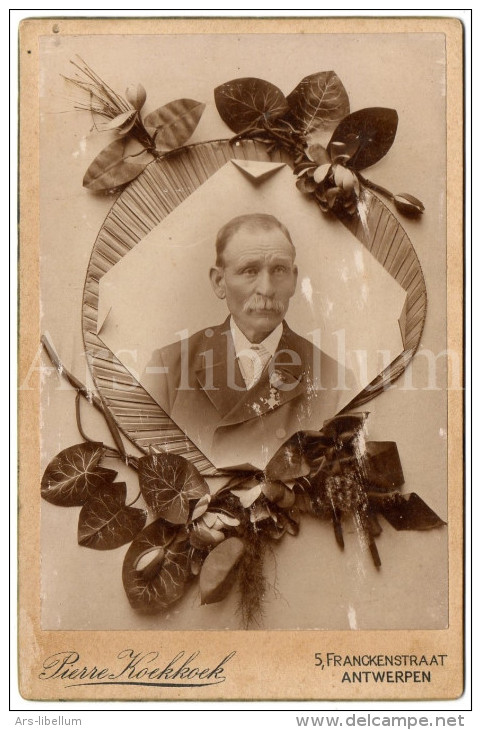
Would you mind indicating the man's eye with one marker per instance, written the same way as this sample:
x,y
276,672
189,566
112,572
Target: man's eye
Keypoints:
x,y
280,269
250,271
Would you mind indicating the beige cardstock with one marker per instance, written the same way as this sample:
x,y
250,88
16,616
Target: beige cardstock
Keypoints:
x,y
334,627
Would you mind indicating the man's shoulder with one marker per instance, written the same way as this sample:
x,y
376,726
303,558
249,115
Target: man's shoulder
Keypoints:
x,y
180,359
191,344
301,345
318,364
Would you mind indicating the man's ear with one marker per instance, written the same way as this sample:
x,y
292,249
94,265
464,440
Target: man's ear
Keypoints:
x,y
296,272
217,280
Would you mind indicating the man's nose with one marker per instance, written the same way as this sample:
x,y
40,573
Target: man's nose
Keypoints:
x,y
264,284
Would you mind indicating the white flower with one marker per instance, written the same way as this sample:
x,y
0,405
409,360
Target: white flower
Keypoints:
x,y
208,530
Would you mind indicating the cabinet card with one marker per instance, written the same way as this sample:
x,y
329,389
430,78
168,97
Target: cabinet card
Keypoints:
x,y
240,384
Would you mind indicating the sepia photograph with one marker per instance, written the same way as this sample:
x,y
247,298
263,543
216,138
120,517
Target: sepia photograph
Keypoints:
x,y
244,367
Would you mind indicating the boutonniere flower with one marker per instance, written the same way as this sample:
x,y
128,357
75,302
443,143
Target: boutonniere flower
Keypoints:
x,y
276,380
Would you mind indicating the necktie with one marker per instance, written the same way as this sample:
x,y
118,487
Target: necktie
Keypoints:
x,y
253,362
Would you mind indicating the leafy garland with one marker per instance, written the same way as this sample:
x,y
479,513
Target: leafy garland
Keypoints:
x,y
332,474
256,109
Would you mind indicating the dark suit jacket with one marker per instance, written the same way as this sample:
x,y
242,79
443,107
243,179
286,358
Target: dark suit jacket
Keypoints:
x,y
199,384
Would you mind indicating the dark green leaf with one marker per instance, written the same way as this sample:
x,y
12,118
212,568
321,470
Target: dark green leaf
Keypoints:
x,y
218,571
318,101
74,475
243,102
406,512
369,132
110,169
105,522
156,567
168,483
172,125
343,151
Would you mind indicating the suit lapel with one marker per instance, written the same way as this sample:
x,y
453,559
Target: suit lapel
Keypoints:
x,y
288,376
217,370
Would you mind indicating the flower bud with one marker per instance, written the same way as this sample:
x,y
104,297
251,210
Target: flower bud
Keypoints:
x,y
306,184
136,96
150,564
408,204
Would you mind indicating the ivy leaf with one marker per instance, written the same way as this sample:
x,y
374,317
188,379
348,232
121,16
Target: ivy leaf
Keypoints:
x,y
168,483
106,523
218,571
318,101
243,102
110,169
369,132
156,567
172,125
74,476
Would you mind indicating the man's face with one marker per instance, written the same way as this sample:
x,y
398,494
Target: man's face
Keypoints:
x,y
257,279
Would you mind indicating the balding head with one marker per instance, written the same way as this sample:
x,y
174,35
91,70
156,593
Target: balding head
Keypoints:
x,y
250,222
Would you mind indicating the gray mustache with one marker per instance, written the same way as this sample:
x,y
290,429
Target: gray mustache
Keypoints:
x,y
258,303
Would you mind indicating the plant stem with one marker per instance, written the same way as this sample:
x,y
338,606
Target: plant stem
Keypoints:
x,y
337,524
74,382
135,500
374,186
94,400
79,421
145,139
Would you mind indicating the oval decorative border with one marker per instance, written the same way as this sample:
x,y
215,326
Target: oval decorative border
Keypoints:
x,y
147,200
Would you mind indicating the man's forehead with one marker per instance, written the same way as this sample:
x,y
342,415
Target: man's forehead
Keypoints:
x,y
258,243
259,255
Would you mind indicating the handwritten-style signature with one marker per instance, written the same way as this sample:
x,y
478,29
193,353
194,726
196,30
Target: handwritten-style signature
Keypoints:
x,y
136,668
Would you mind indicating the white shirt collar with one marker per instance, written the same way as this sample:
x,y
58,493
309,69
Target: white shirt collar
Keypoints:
x,y
241,342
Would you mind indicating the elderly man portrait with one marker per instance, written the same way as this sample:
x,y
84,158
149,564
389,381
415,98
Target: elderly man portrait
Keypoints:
x,y
240,388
